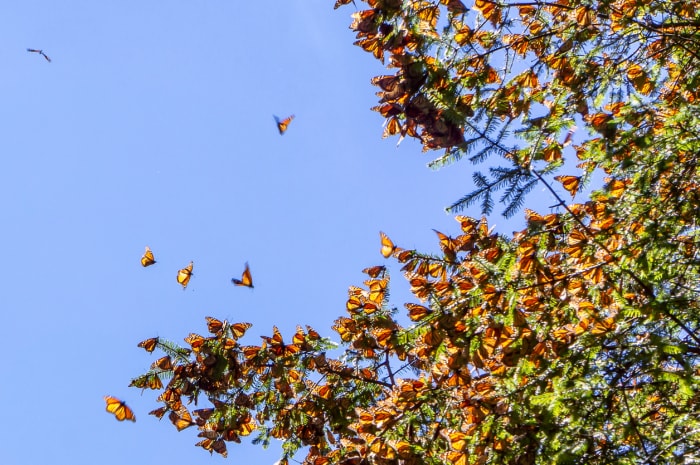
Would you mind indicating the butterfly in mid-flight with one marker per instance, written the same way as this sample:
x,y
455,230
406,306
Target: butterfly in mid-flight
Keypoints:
x,y
147,259
388,247
119,409
283,124
40,52
184,275
246,279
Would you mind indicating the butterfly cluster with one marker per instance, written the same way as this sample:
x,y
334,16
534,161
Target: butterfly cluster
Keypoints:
x,y
180,417
213,366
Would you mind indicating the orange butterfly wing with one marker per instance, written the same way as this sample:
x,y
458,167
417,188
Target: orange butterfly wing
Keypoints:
x,y
181,419
214,325
184,275
246,279
119,409
388,247
283,124
375,271
570,183
149,345
147,259
239,329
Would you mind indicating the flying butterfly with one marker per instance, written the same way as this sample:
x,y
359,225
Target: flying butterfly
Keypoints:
x,y
184,275
283,124
388,247
147,259
119,409
246,279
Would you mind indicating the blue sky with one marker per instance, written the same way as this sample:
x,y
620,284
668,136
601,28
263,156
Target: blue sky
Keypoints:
x,y
153,126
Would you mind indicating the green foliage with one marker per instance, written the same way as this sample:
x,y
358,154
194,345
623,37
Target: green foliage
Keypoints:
x,y
574,340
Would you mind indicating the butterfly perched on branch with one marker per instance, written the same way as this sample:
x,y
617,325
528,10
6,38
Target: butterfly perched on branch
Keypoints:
x,y
40,52
283,124
149,345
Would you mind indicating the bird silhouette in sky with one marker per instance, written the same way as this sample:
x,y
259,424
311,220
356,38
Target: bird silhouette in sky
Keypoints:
x,y
40,52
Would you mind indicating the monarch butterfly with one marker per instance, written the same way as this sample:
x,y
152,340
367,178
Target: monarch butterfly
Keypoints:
x,y
195,341
283,124
245,425
204,413
149,345
119,409
181,419
448,245
171,398
343,2
377,289
388,247
164,363
570,183
417,312
239,329
246,279
150,381
184,275
159,412
375,271
250,352
147,259
277,345
214,445
213,325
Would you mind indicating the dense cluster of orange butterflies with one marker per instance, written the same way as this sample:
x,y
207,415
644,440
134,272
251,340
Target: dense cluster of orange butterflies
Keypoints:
x,y
122,412
116,406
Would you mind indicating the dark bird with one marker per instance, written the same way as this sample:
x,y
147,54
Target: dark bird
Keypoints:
x,y
40,52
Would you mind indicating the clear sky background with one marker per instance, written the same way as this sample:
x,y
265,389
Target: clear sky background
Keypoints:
x,y
153,126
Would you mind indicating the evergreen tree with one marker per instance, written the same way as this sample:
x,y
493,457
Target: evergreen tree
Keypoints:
x,y
574,340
